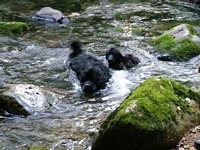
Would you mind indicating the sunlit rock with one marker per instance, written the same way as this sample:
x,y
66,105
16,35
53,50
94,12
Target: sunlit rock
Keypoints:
x,y
25,99
181,43
50,15
155,116
13,28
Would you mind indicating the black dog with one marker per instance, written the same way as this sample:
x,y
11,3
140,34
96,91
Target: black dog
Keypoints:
x,y
90,71
118,62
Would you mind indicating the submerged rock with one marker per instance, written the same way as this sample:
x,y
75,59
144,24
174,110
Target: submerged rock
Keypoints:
x,y
13,28
50,15
154,117
180,43
25,99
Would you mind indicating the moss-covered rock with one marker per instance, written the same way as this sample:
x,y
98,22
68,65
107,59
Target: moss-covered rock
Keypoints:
x,y
180,42
13,28
155,116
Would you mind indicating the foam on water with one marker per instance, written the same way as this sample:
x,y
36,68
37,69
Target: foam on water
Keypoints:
x,y
119,85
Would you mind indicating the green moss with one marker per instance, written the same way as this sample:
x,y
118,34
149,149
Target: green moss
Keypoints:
x,y
185,50
191,29
164,43
153,105
118,16
13,28
138,31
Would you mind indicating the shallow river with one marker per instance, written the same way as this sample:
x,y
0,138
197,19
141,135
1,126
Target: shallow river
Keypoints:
x,y
39,58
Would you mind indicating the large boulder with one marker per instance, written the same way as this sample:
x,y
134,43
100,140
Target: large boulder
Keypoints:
x,y
155,116
50,15
25,99
181,43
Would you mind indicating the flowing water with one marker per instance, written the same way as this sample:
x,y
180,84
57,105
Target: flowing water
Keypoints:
x,y
39,58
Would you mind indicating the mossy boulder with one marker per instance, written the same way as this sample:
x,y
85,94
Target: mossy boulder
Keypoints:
x,y
181,43
13,28
155,116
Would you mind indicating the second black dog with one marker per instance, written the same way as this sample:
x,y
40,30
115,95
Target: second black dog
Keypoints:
x,y
118,62
91,72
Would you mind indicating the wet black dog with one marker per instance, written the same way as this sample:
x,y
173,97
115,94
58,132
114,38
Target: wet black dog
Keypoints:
x,y
118,62
90,71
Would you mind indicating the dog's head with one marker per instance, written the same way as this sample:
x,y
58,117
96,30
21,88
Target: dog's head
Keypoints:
x,y
75,45
114,58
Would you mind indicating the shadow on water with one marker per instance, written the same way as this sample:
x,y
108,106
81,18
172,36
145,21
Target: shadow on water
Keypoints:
x,y
39,58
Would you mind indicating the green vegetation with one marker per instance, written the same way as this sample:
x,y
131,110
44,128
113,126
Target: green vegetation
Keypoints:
x,y
191,29
118,16
13,28
186,49
138,31
153,105
164,43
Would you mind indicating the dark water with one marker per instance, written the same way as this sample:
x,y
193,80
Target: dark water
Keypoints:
x,y
39,58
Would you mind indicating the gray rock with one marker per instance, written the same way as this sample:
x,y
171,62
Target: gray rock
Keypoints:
x,y
48,14
24,99
180,32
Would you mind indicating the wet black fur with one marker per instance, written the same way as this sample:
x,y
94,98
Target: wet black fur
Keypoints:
x,y
91,72
118,62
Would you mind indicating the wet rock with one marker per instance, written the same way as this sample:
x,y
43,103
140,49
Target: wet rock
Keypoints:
x,y
182,31
199,69
165,57
50,15
13,28
181,43
25,99
197,144
155,116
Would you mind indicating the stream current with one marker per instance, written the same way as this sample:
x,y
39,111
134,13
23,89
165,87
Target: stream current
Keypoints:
x,y
39,58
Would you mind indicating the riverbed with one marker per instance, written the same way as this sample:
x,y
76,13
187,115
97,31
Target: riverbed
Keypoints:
x,y
39,58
